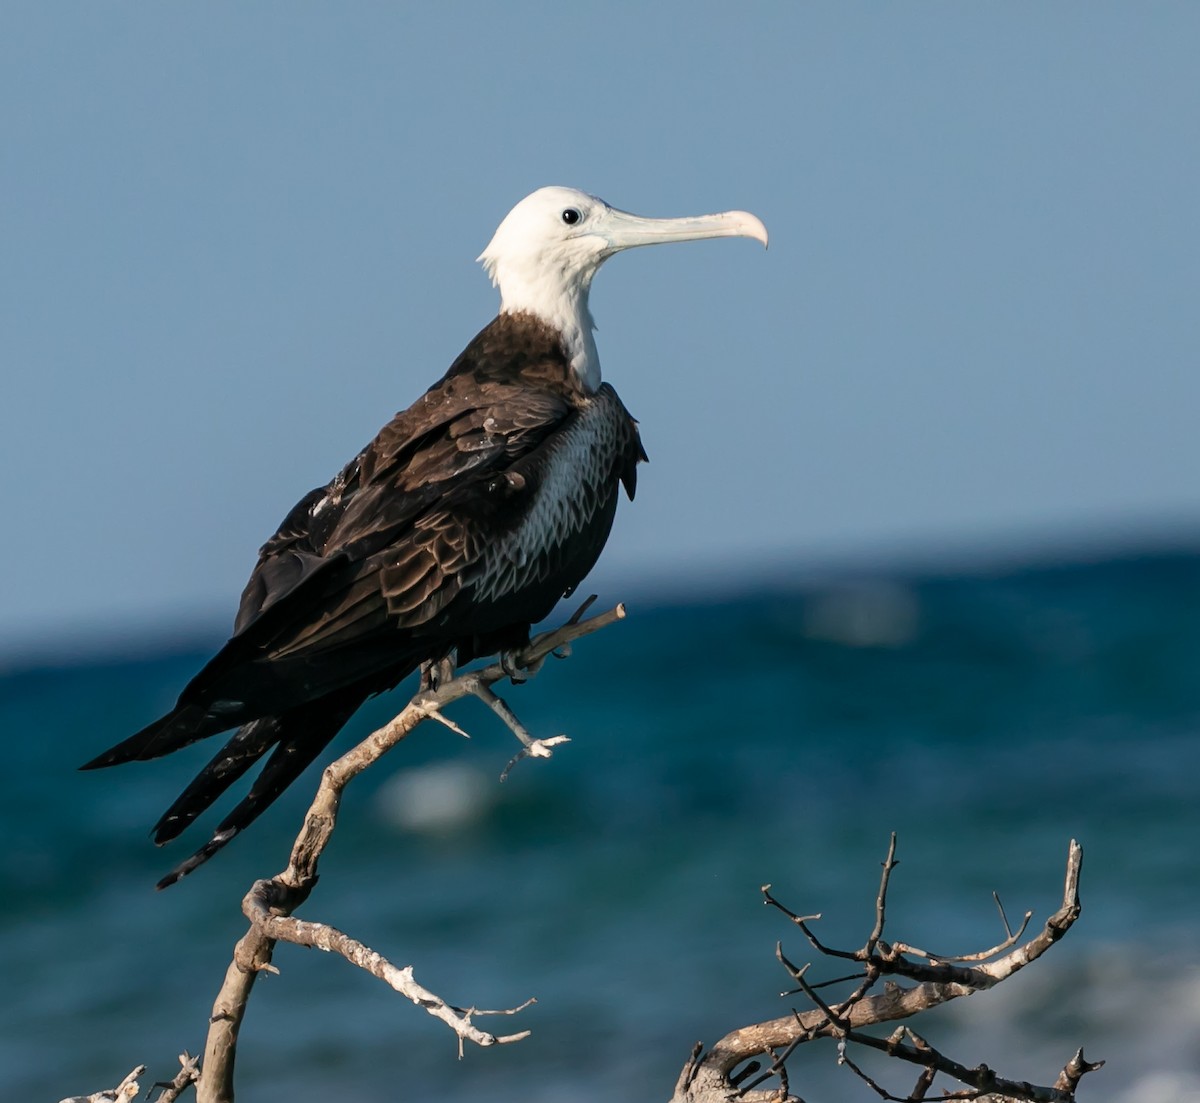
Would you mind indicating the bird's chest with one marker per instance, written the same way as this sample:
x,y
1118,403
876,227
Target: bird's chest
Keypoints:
x,y
563,505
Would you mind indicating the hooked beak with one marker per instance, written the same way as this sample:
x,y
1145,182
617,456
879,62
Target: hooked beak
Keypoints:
x,y
622,230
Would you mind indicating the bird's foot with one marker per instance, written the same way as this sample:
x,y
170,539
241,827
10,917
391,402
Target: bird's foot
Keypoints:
x,y
516,673
435,674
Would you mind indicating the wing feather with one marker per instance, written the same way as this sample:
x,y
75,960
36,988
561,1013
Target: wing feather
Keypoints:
x,y
389,495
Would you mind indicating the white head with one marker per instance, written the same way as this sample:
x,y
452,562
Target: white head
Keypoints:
x,y
546,251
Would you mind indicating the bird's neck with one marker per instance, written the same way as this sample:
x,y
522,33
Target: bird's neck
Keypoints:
x,y
565,308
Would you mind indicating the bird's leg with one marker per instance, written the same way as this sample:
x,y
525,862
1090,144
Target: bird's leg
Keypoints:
x,y
435,673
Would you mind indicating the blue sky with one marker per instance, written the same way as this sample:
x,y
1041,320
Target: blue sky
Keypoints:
x,y
237,237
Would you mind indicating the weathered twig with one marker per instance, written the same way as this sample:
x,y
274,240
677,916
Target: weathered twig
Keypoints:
x,y
983,1081
1074,1071
188,1074
126,1090
709,1078
320,936
269,904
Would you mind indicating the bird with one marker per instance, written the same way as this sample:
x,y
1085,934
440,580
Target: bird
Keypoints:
x,y
447,537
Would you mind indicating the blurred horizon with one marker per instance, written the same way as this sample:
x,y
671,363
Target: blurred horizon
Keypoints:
x,y
183,629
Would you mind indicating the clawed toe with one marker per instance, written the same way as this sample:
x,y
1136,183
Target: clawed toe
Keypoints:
x,y
515,672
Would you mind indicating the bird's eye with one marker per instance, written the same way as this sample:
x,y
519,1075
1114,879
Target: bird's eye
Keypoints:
x,y
570,216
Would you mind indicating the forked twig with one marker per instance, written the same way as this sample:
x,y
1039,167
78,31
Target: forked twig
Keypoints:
x,y
125,1091
711,1077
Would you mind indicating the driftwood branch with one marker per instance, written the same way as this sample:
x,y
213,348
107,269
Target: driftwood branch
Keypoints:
x,y
129,1088
715,1076
125,1091
287,928
270,903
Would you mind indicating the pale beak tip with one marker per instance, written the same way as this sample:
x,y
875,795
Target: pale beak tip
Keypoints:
x,y
753,227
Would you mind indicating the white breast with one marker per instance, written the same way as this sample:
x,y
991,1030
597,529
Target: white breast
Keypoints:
x,y
579,466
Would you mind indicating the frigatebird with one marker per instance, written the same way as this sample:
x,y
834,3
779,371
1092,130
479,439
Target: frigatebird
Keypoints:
x,y
454,531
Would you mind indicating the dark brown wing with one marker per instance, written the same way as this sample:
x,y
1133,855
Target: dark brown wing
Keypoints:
x,y
344,545
349,588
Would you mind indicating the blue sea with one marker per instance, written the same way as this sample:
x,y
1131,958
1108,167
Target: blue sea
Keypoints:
x,y
776,734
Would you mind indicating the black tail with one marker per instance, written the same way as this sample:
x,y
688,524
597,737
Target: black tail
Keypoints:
x,y
182,726
249,743
298,736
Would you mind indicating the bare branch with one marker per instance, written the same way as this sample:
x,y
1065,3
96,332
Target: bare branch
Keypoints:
x,y
447,722
982,1079
188,1074
1074,1071
710,1078
270,904
125,1091
530,747
320,936
921,1088
889,863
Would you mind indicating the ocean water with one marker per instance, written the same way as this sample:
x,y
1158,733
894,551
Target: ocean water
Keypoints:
x,y
774,736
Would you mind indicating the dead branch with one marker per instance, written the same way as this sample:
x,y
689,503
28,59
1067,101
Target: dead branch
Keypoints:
x,y
710,1078
125,1091
270,903
1074,1070
188,1074
320,936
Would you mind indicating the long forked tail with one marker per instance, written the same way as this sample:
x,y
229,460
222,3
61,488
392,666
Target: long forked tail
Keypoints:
x,y
298,736
184,725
